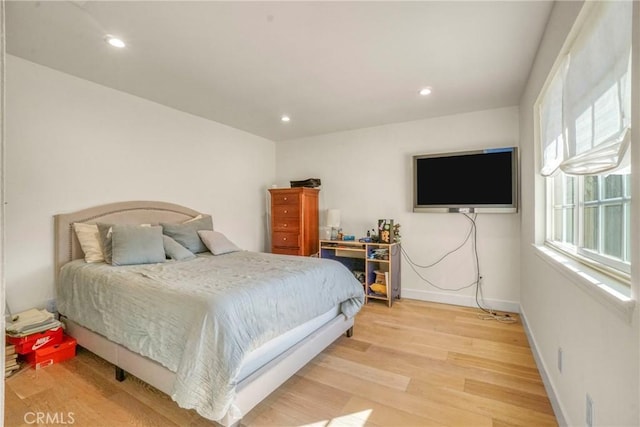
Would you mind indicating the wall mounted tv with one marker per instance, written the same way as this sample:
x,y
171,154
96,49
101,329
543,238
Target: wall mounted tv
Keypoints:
x,y
483,181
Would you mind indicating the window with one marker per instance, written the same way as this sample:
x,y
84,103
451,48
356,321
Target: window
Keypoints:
x,y
590,217
584,127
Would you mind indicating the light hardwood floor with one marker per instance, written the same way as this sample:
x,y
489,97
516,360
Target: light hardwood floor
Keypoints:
x,y
415,364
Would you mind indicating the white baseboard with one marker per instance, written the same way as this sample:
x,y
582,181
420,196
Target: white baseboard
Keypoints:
x,y
542,368
463,300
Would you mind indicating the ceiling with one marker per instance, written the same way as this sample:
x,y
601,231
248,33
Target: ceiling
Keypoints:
x,y
330,66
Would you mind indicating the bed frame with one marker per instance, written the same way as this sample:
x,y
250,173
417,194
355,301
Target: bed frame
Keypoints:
x,y
253,388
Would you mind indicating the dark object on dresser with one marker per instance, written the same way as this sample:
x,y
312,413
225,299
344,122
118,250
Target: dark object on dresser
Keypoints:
x,y
310,183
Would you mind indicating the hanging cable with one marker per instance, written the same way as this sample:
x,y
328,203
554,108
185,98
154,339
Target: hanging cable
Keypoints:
x,y
413,264
474,246
485,313
443,256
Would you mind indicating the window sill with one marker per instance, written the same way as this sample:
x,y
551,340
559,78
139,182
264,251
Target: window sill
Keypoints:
x,y
609,292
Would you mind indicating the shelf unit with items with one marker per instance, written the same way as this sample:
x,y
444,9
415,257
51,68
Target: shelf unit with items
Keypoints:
x,y
375,265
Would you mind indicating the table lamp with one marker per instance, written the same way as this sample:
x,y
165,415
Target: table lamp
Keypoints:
x,y
333,221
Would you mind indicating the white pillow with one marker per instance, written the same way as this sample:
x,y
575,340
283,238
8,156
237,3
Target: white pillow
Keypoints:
x,y
195,218
89,239
216,242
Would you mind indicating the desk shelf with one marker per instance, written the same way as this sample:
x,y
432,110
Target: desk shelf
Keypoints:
x,y
376,265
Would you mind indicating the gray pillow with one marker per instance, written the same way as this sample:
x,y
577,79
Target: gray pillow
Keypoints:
x,y
135,244
175,250
104,230
217,243
187,233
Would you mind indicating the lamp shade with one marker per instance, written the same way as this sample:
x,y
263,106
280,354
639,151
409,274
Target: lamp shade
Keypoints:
x,y
333,218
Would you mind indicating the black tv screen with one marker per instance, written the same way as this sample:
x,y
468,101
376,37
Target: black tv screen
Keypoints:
x,y
470,181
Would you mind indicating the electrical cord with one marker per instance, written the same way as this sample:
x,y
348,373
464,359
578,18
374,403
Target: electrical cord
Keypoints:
x,y
443,256
485,313
438,287
413,264
474,242
503,318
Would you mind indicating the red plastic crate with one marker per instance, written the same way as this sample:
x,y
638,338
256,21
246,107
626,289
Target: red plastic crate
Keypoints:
x,y
54,354
39,340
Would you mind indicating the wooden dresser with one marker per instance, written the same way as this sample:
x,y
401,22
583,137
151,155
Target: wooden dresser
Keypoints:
x,y
294,221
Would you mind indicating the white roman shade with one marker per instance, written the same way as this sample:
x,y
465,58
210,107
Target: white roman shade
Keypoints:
x,y
586,109
551,124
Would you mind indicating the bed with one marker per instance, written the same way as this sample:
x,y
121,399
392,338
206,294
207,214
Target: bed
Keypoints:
x,y
217,333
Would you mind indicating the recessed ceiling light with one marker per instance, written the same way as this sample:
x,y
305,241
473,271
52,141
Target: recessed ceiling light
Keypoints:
x,y
114,41
425,91
285,118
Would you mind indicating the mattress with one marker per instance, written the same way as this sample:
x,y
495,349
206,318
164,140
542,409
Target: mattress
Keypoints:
x,y
203,319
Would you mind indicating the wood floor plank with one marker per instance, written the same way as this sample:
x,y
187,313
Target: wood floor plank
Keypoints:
x,y
86,411
408,342
371,412
374,374
29,382
16,416
485,405
510,395
403,401
273,417
136,413
449,373
306,403
415,364
489,364
355,345
485,349
388,359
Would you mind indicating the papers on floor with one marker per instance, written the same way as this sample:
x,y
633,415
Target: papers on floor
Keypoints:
x,y
11,363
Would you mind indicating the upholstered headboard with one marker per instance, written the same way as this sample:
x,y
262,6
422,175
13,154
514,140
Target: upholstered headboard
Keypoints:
x,y
67,247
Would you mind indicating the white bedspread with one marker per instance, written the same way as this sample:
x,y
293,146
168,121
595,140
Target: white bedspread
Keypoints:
x,y
199,318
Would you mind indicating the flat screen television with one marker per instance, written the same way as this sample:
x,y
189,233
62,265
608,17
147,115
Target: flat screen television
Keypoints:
x,y
483,181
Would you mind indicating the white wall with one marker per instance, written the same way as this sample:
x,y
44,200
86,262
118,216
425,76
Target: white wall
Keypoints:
x,y
72,144
600,347
367,174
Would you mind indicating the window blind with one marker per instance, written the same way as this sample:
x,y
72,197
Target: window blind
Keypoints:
x,y
591,133
551,124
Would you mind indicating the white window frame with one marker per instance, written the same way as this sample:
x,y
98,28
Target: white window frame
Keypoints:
x,y
607,279
616,268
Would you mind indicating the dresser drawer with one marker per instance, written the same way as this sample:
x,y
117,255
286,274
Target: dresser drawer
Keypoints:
x,y
294,220
286,251
286,224
285,211
285,199
285,240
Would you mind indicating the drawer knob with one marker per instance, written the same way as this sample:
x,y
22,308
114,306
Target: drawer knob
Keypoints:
x,y
284,225
286,211
285,198
284,238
